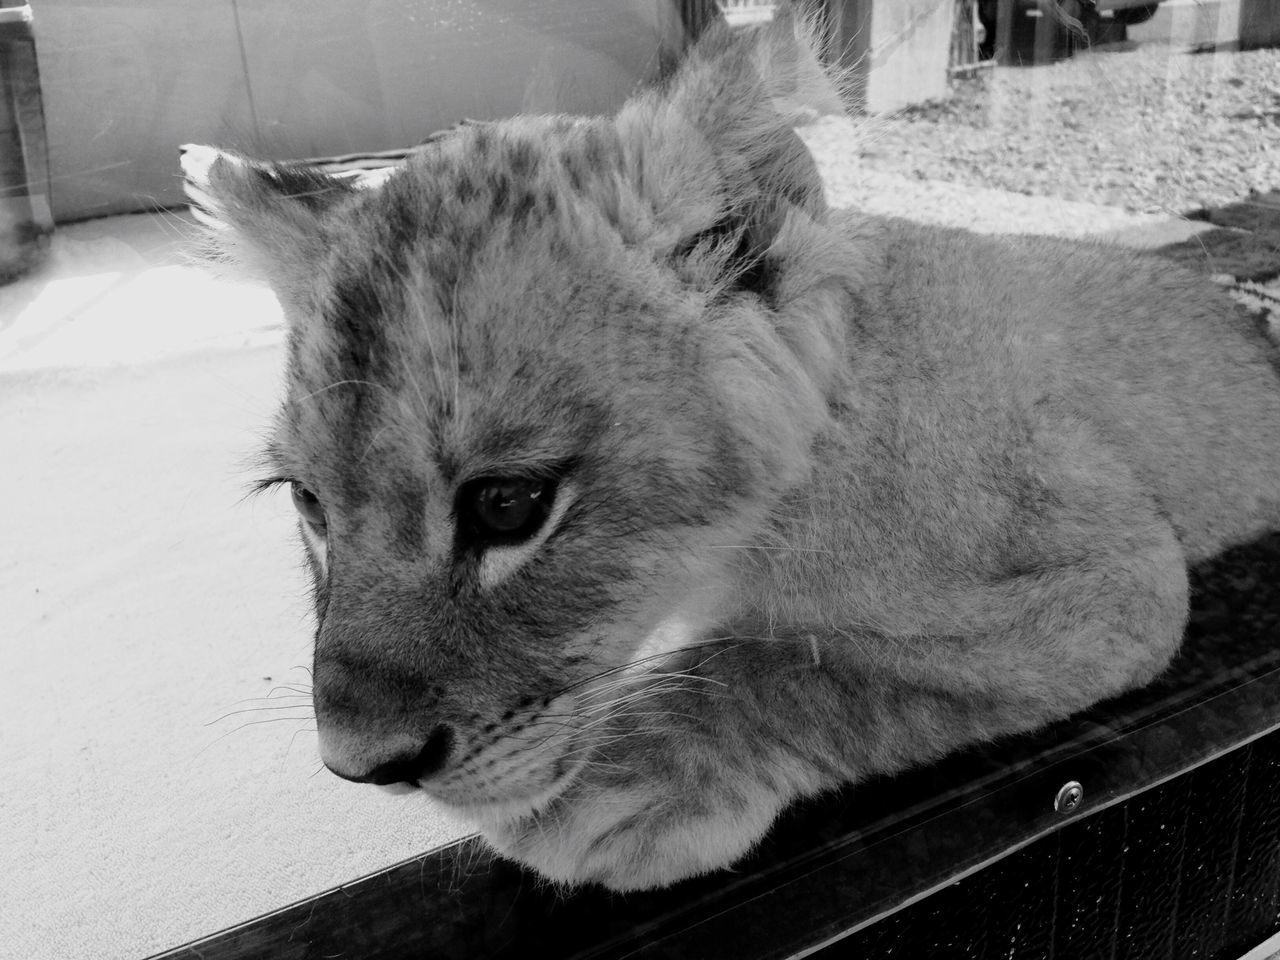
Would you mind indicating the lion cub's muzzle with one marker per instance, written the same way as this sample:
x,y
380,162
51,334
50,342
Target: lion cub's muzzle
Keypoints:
x,y
376,727
407,763
385,730
475,755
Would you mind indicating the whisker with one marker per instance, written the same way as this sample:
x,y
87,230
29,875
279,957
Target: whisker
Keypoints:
x,y
293,739
647,680
630,665
283,706
644,693
335,385
247,723
273,698
762,547
618,715
298,688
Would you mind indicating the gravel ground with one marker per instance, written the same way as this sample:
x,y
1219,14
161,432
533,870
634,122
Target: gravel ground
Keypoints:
x,y
1108,139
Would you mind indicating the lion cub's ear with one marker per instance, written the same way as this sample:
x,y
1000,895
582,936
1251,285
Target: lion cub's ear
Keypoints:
x,y
269,217
712,153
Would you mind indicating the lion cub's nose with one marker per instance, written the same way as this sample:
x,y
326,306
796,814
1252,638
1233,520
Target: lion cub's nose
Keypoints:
x,y
410,767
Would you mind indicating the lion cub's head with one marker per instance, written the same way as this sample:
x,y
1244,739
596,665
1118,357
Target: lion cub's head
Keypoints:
x,y
539,381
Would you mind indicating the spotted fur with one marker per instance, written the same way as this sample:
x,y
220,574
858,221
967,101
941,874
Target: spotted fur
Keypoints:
x,y
832,495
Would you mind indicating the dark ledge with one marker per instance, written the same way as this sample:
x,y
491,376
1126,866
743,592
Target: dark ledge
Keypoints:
x,y
851,865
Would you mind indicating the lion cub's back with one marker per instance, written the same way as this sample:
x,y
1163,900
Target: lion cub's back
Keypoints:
x,y
1160,361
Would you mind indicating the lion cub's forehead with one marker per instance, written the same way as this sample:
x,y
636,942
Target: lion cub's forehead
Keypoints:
x,y
521,153
493,248
473,304
488,221
517,175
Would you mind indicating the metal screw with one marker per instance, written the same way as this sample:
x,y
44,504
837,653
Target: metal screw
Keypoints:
x,y
1070,795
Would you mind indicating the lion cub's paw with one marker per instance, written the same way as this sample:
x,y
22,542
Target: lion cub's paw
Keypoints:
x,y
636,836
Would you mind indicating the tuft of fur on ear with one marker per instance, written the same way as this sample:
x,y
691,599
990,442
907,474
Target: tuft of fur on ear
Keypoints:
x,y
712,153
269,218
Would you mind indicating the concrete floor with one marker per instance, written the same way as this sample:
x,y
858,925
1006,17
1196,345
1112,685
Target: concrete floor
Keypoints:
x,y
161,774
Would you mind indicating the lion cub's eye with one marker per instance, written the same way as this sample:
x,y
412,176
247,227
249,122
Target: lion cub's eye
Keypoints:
x,y
308,506
504,509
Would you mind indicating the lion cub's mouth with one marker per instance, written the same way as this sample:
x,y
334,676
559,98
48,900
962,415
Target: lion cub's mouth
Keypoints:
x,y
508,771
522,799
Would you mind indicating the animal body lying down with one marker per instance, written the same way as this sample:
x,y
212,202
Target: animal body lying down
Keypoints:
x,y
644,494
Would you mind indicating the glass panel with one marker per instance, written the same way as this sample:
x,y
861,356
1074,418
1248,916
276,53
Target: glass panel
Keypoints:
x,y
156,717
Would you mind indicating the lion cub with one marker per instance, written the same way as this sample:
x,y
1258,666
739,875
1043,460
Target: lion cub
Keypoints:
x,y
644,494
